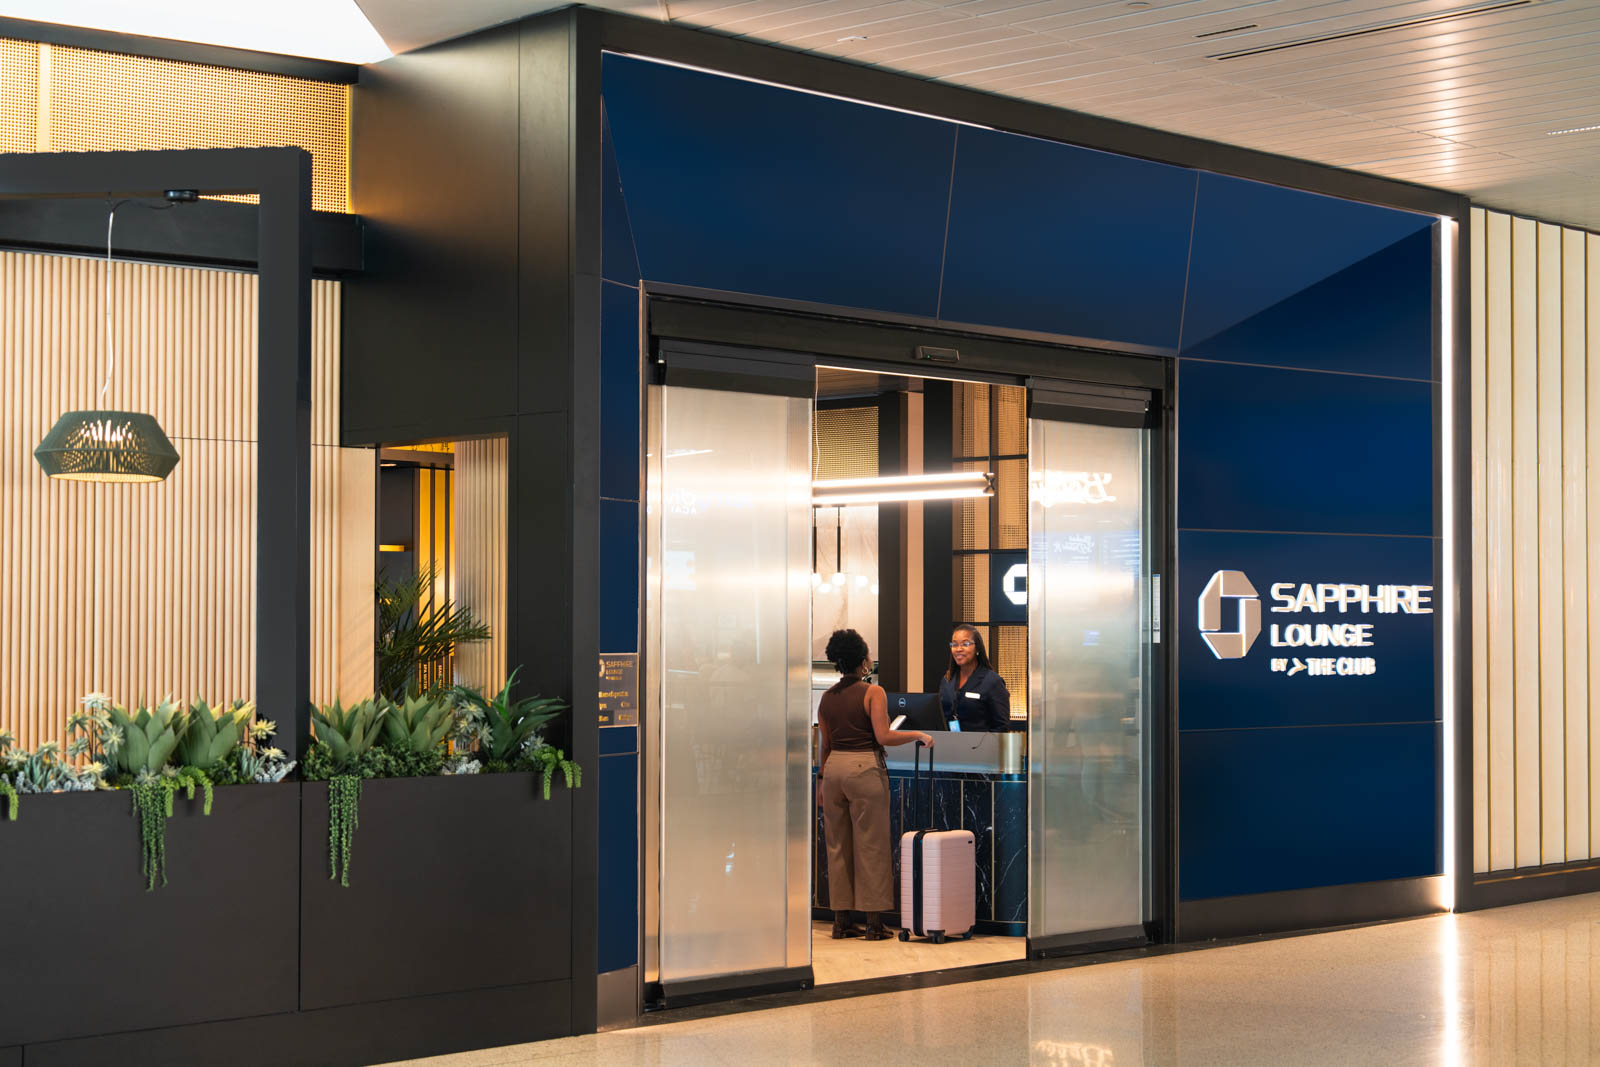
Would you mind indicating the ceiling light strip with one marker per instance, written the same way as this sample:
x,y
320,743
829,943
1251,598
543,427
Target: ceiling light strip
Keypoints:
x,y
1575,129
954,478
1384,27
888,496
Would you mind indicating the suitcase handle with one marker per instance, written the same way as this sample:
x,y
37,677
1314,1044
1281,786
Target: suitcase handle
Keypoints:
x,y
916,777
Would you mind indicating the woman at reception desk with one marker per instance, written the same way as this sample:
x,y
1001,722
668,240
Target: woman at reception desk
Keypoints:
x,y
972,692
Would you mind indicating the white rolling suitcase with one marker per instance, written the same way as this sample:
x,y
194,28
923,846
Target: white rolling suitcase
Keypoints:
x,y
938,875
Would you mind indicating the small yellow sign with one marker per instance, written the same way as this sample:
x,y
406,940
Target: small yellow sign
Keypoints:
x,y
619,689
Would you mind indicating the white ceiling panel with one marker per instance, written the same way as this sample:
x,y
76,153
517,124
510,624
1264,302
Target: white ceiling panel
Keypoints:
x,y
1459,94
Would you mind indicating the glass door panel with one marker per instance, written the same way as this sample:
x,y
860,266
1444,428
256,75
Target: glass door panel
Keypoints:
x,y
730,629
1089,677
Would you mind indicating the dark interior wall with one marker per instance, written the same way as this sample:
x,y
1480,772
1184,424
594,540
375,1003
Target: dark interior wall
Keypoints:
x,y
476,165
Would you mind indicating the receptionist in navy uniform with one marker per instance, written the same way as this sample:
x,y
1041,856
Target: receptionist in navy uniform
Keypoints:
x,y
972,692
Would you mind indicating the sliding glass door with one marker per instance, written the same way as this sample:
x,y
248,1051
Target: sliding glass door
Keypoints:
x,y
1090,642
729,637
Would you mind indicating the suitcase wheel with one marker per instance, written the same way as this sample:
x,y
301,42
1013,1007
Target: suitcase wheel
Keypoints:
x,y
905,935
936,936
967,936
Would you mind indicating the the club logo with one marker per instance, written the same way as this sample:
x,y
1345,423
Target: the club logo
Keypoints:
x,y
1229,644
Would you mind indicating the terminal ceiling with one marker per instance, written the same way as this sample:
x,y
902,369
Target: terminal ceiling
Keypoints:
x,y
1464,95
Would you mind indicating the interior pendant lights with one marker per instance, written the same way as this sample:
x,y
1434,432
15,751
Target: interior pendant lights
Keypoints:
x,y
103,445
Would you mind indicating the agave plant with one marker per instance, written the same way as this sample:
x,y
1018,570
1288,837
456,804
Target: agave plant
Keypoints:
x,y
149,737
212,733
349,732
418,724
511,724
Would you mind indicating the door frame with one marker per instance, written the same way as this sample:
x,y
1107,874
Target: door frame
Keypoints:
x,y
796,332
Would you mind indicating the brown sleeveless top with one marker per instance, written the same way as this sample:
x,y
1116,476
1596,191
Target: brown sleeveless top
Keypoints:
x,y
844,711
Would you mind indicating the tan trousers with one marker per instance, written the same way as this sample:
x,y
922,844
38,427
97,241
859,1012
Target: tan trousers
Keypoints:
x,y
855,811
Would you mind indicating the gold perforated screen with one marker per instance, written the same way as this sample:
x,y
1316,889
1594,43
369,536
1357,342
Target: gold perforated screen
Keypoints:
x,y
972,587
19,96
57,99
970,415
1010,420
1009,653
846,443
1011,503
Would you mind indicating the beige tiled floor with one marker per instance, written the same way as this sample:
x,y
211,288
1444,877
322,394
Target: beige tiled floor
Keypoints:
x,y
853,959
1508,986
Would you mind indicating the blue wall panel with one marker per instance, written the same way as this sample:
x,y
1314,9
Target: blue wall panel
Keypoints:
x,y
1373,317
1045,236
619,391
1233,693
619,856
746,187
619,576
1265,810
1262,449
1256,245
1300,319
618,259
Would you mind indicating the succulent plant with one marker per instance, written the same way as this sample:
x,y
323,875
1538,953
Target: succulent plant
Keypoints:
x,y
149,737
511,723
212,733
349,732
418,724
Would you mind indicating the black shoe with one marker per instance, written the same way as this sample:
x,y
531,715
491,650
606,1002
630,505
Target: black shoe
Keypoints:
x,y
875,929
841,927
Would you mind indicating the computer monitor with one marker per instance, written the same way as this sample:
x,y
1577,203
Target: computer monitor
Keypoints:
x,y
921,711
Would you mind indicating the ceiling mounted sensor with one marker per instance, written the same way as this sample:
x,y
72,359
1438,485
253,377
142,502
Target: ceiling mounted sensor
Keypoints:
x,y
105,445
335,30
1474,11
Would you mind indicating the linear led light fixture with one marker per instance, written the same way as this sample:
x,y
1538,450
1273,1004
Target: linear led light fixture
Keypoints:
x,y
1575,129
955,485
1382,27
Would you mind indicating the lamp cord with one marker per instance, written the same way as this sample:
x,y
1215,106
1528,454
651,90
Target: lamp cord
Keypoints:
x,y
111,340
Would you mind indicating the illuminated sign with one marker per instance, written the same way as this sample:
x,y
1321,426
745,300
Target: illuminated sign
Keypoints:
x,y
1316,598
1008,587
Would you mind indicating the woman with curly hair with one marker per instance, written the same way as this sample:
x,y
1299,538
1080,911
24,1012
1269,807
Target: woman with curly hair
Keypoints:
x,y
854,788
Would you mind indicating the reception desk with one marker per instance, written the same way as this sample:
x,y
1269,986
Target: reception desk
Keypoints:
x,y
980,783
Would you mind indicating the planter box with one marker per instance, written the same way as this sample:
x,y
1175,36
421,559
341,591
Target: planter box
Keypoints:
x,y
89,951
456,883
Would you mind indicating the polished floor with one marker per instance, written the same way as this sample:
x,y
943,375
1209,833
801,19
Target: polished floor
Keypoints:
x,y
1516,985
854,960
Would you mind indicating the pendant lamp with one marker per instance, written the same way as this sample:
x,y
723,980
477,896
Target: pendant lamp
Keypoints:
x,y
105,445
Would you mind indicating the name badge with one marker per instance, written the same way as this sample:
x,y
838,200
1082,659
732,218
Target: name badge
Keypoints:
x,y
973,696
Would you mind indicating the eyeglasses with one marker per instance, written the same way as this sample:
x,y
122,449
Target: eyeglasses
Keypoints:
x,y
960,644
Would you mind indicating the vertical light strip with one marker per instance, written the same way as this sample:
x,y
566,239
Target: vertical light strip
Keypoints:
x,y
1447,492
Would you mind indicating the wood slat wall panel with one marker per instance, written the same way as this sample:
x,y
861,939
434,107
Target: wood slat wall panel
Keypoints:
x,y
482,504
145,591
1552,642
1479,287
1497,550
1536,562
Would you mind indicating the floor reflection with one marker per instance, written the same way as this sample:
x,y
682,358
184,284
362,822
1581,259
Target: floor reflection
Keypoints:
x,y
1510,986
